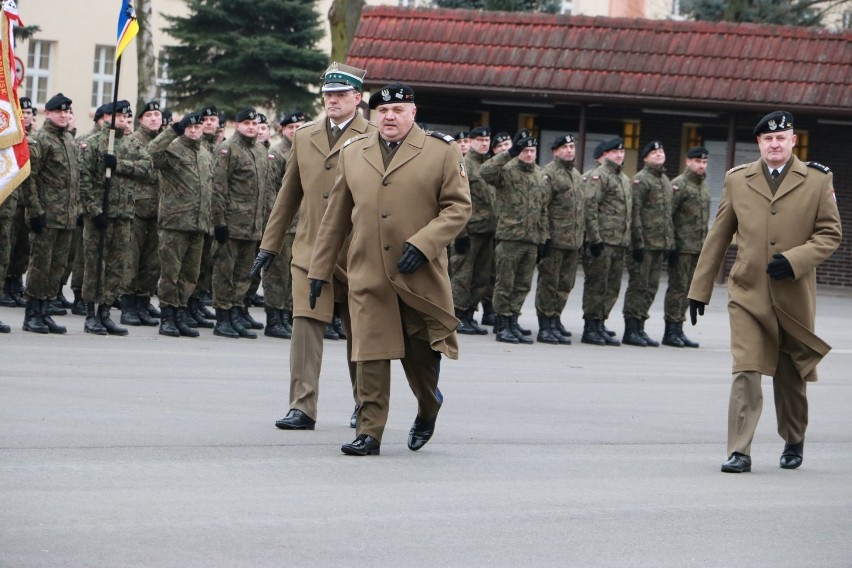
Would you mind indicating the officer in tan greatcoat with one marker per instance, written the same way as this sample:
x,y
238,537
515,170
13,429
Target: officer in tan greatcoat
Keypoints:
x,y
785,218
305,190
404,195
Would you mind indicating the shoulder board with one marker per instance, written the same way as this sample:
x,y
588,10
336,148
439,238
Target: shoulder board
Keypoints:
x,y
824,169
354,138
732,170
308,123
440,135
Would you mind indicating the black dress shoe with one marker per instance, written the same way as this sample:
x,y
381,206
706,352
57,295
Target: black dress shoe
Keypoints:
x,y
296,420
363,445
791,457
737,463
420,433
353,420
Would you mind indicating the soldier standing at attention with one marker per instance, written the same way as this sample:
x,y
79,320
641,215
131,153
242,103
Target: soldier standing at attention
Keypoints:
x,y
652,238
608,210
566,217
186,171
305,190
784,215
239,176
690,219
463,140
108,224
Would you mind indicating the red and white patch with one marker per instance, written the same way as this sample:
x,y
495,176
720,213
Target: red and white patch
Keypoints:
x,y
224,151
461,170
675,188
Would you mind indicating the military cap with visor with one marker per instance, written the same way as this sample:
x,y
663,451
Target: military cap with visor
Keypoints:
x,y
340,78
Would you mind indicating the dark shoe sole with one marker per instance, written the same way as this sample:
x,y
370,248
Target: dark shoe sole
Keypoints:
x,y
287,426
350,451
735,469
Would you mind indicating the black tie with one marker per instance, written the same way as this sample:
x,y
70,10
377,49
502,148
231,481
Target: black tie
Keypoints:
x,y
774,174
393,145
335,131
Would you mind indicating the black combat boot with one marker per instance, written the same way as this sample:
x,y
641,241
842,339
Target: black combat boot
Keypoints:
x,y
603,330
182,318
545,332
274,328
79,307
337,323
235,313
504,334
167,322
93,324
631,333
129,310
52,326
287,320
257,300
464,327
194,310
590,333
330,333
607,335
5,328
203,303
16,290
477,329
62,300
648,341
518,331
152,310
33,319
488,315
252,323
106,321
561,328
671,336
554,327
223,324
684,339
6,300
143,315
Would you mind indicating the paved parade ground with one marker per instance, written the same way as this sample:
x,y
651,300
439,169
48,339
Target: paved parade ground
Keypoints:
x,y
152,451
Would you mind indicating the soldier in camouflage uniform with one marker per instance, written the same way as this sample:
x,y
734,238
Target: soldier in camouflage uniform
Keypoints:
x,y
240,167
690,217
51,198
186,183
144,258
107,230
521,206
609,202
566,217
474,247
652,238
7,216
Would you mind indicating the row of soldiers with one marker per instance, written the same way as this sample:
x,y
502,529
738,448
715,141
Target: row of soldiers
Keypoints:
x,y
554,218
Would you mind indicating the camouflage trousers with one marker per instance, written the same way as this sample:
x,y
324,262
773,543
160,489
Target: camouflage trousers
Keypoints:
x,y
643,281
277,279
19,258
144,257
180,261
205,274
106,258
556,275
515,262
75,261
231,264
471,280
603,282
6,215
680,276
48,258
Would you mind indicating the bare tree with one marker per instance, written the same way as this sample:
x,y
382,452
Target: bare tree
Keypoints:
x,y
343,18
147,70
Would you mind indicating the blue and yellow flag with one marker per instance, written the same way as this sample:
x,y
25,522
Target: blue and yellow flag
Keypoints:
x,y
127,27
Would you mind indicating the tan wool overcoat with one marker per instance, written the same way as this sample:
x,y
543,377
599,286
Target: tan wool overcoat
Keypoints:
x,y
306,188
801,222
423,198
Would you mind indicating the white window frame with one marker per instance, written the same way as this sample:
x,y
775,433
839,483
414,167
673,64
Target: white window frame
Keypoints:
x,y
34,73
102,82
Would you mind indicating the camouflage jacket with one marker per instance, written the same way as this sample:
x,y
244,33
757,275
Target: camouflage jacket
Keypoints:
x,y
566,209
134,163
521,203
690,211
483,220
186,182
145,191
651,226
609,202
239,178
53,187
281,151
209,140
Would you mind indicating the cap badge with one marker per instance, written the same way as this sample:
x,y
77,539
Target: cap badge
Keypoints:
x,y
772,125
386,95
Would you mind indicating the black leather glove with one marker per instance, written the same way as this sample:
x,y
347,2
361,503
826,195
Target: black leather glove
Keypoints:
x,y
316,291
638,255
411,259
517,148
110,161
696,309
462,245
101,221
542,251
673,258
595,249
221,233
180,127
38,223
779,267
263,260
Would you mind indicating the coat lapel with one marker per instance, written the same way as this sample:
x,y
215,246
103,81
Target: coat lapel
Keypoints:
x,y
794,178
411,147
756,180
319,138
372,152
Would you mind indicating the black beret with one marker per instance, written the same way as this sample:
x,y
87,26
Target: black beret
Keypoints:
x,y
522,133
561,141
616,143
101,110
526,142
122,107
149,107
393,93
247,113
194,118
500,137
167,116
209,110
774,122
221,119
293,118
461,135
26,102
698,152
650,147
599,150
261,118
58,102
480,132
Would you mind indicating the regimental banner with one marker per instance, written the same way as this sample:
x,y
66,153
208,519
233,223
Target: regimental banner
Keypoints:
x,y
14,152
